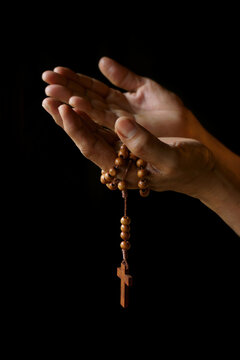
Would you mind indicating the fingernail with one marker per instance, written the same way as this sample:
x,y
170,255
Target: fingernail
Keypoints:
x,y
126,127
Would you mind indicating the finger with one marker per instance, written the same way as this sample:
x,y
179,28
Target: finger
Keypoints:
x,y
85,81
52,77
51,106
81,104
89,142
96,110
120,75
63,93
59,92
86,86
94,85
66,72
145,145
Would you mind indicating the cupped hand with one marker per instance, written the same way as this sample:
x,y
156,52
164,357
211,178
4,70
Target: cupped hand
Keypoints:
x,y
155,108
155,125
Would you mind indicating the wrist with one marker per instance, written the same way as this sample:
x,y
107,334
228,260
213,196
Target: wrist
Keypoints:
x,y
224,157
195,129
221,194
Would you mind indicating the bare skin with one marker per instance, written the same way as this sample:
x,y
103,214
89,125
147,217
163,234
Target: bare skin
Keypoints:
x,y
155,125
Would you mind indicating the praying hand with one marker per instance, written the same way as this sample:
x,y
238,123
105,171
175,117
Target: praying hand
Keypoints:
x,y
155,125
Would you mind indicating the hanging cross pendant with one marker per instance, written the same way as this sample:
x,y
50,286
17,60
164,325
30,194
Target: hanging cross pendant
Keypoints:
x,y
126,281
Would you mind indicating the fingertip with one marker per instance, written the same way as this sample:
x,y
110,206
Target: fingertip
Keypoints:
x,y
48,90
73,101
126,127
103,59
63,108
45,75
45,103
104,62
49,104
68,117
65,71
80,103
58,69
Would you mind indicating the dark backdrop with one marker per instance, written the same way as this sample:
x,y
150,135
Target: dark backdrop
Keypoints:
x,y
63,225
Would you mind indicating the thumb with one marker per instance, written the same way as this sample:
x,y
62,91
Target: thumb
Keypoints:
x,y
145,145
120,75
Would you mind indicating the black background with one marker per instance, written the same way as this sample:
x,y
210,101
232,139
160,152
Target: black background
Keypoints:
x,y
63,225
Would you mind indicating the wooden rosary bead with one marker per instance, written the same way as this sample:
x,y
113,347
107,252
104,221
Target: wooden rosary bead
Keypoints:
x,y
122,185
133,157
125,228
125,235
143,184
108,177
123,147
125,220
144,192
141,163
125,245
103,180
119,161
123,154
112,185
103,172
112,172
142,173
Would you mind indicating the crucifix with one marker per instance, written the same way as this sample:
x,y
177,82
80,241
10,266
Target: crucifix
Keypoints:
x,y
126,281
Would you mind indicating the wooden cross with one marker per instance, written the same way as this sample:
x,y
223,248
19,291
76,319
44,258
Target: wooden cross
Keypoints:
x,y
126,281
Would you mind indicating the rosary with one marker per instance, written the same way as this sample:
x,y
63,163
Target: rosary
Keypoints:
x,y
125,159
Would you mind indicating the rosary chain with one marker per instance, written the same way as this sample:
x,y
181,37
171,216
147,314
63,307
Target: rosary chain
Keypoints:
x,y
126,158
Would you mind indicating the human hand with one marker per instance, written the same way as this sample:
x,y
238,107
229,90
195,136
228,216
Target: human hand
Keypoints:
x,y
156,112
152,106
177,164
206,169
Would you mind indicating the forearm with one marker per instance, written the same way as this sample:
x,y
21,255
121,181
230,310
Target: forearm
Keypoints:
x,y
227,161
222,193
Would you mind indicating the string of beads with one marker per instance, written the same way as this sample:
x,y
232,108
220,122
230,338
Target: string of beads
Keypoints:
x,y
126,159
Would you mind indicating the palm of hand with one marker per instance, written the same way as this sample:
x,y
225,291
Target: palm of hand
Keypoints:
x,y
97,107
158,110
155,108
